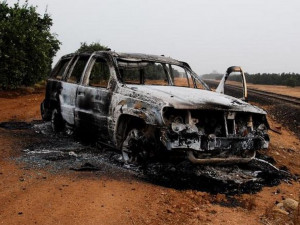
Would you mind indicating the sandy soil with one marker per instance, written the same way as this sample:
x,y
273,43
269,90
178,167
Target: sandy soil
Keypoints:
x,y
31,196
278,89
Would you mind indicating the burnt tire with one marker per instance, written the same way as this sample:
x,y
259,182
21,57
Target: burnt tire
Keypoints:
x,y
57,122
136,147
46,116
43,113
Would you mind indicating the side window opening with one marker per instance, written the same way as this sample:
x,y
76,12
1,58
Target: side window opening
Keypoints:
x,y
77,69
99,75
59,70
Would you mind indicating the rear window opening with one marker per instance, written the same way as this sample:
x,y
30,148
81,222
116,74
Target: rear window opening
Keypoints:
x,y
60,69
77,69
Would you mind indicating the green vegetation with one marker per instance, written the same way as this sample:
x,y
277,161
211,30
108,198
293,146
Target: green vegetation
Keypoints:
x,y
287,79
27,46
94,46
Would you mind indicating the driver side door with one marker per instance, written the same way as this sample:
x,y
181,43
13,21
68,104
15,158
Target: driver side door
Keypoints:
x,y
93,98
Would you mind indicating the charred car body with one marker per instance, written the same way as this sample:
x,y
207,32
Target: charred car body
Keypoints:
x,y
145,105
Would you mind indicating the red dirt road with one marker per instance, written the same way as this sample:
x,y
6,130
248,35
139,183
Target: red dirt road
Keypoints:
x,y
30,196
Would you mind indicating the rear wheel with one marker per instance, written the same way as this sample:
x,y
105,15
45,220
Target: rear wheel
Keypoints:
x,y
43,113
57,121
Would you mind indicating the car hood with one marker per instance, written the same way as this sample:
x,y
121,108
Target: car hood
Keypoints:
x,y
191,98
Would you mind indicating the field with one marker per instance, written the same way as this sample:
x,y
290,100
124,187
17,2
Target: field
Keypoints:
x,y
35,194
278,89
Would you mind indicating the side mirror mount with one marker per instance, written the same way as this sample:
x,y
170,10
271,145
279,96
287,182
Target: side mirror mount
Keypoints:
x,y
220,88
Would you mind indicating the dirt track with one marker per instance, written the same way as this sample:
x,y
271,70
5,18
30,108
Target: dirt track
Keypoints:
x,y
31,195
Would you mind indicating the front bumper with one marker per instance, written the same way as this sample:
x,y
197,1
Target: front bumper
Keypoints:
x,y
215,160
198,142
209,149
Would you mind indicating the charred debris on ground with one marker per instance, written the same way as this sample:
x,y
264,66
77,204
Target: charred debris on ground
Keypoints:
x,y
59,152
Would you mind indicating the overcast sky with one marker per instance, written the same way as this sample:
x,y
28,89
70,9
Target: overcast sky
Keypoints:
x,y
259,35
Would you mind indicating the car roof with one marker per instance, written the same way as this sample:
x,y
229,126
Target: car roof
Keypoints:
x,y
131,56
147,57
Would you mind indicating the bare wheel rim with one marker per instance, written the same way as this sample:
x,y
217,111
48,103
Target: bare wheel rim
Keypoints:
x,y
129,151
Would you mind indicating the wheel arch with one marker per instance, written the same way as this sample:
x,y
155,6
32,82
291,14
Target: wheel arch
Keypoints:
x,y
46,108
123,124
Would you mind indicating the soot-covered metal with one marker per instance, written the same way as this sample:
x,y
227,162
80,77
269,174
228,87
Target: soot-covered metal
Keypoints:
x,y
147,105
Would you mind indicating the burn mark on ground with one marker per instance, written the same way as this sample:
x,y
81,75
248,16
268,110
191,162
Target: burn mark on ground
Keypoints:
x,y
63,152
216,179
15,125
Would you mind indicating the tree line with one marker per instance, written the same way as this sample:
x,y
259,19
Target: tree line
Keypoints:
x,y
286,79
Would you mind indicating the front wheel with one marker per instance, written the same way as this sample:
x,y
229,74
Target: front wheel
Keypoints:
x,y
139,144
132,147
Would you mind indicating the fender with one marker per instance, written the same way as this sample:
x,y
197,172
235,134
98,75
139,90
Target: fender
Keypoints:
x,y
137,108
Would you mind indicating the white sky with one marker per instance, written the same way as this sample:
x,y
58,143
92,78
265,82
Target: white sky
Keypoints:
x,y
259,35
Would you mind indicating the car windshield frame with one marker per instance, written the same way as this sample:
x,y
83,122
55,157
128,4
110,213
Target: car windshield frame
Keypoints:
x,y
131,64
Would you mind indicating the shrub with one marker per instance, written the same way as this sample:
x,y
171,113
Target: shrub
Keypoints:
x,y
27,46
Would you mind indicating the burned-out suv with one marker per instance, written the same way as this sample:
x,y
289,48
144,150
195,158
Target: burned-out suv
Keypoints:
x,y
144,105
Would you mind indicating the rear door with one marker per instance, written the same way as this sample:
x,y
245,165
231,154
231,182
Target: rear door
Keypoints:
x,y
54,83
93,97
68,93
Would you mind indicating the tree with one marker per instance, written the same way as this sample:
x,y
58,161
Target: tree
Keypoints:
x,y
291,82
27,46
94,46
288,79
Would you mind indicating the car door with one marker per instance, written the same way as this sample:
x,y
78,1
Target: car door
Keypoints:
x,y
93,98
69,90
238,87
54,84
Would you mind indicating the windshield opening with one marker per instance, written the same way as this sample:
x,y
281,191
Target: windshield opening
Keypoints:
x,y
148,73
156,73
